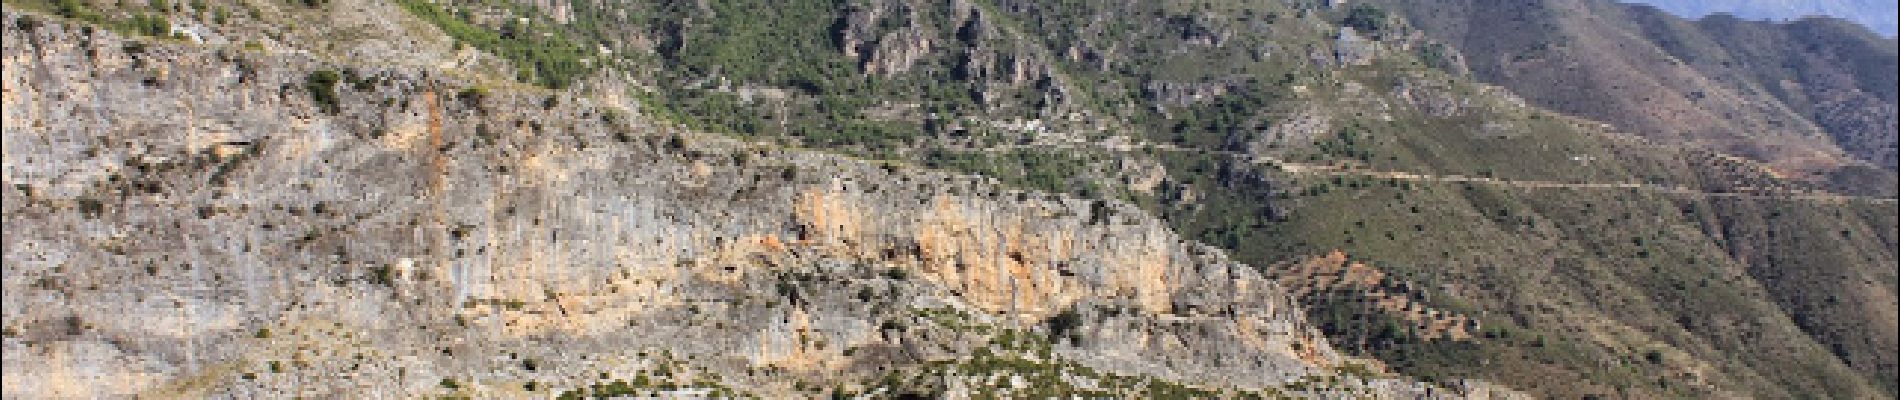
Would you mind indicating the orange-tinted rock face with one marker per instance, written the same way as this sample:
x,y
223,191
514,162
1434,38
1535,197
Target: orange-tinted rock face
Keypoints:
x,y
999,259
190,220
426,251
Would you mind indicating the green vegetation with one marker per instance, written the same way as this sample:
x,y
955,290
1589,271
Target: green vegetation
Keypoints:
x,y
382,275
472,96
540,55
1045,379
510,304
1546,244
784,47
1527,257
1607,288
77,9
778,43
1032,169
1435,55
147,25
667,376
1221,123
1366,18
1064,322
322,87
150,22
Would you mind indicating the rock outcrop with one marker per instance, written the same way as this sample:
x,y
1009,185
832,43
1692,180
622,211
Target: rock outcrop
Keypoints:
x,y
196,221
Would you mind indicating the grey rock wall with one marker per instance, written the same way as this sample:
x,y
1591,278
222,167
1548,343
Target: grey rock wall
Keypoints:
x,y
188,221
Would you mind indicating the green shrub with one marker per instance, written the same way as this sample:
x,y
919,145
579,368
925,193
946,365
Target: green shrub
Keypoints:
x,y
382,275
322,87
76,9
149,25
1365,18
549,60
1064,322
472,96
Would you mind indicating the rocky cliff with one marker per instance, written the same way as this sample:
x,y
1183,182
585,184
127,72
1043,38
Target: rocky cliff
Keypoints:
x,y
215,221
938,198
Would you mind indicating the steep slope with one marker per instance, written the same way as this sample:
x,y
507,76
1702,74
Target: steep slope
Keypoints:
x,y
1824,71
189,220
1620,284
1880,16
1445,228
1812,97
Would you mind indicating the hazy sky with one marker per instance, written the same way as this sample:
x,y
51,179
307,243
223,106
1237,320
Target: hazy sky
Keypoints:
x,y
1880,15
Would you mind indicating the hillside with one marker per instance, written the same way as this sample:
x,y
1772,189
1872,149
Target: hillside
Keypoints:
x,y
1814,98
410,233
1879,16
981,199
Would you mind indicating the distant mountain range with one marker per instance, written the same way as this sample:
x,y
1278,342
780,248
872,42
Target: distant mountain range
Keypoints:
x,y
1879,15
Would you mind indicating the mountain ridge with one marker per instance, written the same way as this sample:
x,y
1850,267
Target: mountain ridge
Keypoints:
x,y
915,198
1875,15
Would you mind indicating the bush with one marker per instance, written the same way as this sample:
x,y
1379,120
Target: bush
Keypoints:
x,y
552,61
1365,18
149,25
472,96
1064,322
322,87
75,9
382,275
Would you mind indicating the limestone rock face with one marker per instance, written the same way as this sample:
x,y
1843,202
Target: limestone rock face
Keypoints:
x,y
885,51
1352,49
1302,128
188,221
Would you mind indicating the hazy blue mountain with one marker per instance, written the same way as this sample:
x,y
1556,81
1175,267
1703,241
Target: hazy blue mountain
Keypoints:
x,y
1879,15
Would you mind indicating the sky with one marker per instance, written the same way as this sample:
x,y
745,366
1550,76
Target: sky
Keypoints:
x,y
1879,15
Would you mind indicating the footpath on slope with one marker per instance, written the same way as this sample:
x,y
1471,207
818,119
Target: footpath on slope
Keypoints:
x,y
1739,192
1745,192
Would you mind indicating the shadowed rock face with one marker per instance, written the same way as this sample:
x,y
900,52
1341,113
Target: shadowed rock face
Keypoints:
x,y
189,221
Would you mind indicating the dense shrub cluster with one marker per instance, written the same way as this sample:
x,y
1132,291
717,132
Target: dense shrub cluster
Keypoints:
x,y
540,56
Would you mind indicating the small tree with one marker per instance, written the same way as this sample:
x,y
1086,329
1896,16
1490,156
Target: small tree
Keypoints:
x,y
322,87
1365,18
1064,322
